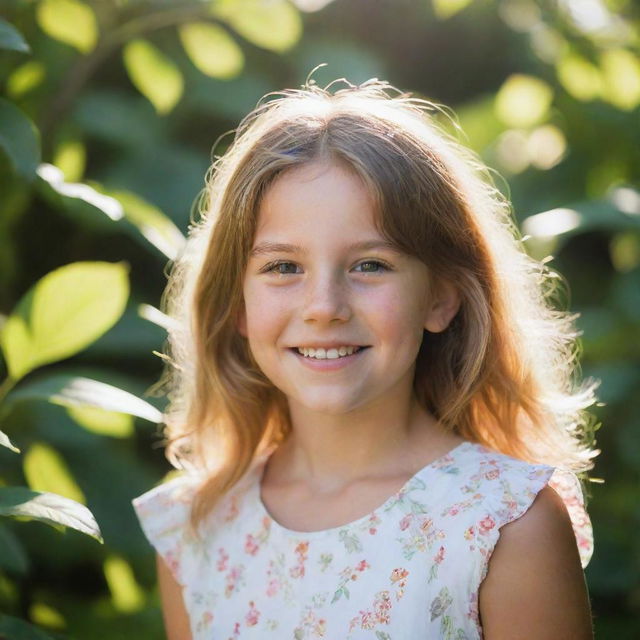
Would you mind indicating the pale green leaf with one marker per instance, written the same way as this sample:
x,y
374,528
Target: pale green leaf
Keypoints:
x,y
621,74
211,49
19,139
153,74
69,21
152,223
63,313
125,591
81,392
275,24
105,423
5,442
48,508
523,101
446,8
26,77
11,38
12,553
45,470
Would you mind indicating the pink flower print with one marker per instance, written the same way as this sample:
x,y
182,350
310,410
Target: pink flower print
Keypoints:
x,y
439,557
367,620
362,565
172,562
320,628
222,560
398,574
273,587
232,579
405,522
250,545
492,474
251,618
297,571
233,509
426,525
486,524
469,533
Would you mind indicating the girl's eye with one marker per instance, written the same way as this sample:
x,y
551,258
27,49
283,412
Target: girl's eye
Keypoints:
x,y
376,264
279,268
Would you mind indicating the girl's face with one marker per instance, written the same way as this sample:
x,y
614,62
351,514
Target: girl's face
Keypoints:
x,y
321,276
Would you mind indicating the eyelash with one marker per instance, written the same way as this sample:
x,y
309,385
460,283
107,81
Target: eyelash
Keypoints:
x,y
273,265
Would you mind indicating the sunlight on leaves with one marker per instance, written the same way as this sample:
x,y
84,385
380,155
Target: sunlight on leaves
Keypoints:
x,y
69,21
275,25
70,157
153,74
50,508
45,470
546,146
63,313
45,615
126,593
523,101
446,8
579,77
25,78
211,49
621,73
105,423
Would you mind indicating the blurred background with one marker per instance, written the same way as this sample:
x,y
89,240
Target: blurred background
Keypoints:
x,y
108,116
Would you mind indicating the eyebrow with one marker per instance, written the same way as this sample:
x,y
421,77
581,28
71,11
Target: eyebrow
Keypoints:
x,y
281,247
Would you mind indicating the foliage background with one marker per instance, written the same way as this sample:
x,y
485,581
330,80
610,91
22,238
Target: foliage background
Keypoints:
x,y
127,97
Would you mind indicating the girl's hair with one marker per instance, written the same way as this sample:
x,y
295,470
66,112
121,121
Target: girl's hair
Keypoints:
x,y
503,374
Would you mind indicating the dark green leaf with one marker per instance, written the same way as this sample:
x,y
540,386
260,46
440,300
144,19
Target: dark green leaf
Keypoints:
x,y
19,139
11,38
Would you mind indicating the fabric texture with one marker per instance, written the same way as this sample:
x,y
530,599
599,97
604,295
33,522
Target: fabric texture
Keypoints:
x,y
410,569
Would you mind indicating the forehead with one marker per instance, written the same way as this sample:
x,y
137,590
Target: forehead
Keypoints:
x,y
316,197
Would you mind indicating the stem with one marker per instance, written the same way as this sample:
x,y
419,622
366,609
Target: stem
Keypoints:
x,y
80,72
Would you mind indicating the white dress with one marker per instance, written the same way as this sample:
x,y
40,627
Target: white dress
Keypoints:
x,y
409,570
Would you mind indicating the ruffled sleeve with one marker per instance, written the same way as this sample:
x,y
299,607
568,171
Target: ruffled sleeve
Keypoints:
x,y
520,483
164,513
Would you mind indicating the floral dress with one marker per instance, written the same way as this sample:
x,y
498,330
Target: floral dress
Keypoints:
x,y
411,569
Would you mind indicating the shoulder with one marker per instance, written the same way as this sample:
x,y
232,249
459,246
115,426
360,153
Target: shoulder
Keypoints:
x,y
535,581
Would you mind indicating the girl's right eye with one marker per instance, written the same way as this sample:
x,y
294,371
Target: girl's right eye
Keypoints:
x,y
274,267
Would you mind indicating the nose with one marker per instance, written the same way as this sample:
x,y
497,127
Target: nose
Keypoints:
x,y
326,299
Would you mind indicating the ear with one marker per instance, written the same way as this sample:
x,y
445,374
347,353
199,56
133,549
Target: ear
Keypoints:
x,y
443,305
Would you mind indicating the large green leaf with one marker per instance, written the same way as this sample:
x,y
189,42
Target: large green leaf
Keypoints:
x,y
69,21
11,38
19,139
48,508
153,74
16,629
78,391
63,313
211,49
275,25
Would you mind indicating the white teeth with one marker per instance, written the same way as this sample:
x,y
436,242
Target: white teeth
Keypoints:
x,y
327,354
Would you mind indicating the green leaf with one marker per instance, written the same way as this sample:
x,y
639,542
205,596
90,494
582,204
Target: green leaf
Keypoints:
x,y
63,313
446,8
78,391
19,139
153,74
211,49
152,223
275,25
46,470
48,508
114,424
69,21
25,78
125,591
17,629
12,554
11,38
5,442
523,101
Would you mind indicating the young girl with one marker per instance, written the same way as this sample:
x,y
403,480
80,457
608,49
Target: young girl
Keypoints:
x,y
372,399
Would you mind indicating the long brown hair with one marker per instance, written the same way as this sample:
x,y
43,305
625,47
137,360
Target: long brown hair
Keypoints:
x,y
503,374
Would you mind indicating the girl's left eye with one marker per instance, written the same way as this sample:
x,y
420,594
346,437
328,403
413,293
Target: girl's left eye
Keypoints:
x,y
288,268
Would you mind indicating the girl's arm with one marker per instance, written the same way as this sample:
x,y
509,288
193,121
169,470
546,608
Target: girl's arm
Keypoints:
x,y
176,619
535,588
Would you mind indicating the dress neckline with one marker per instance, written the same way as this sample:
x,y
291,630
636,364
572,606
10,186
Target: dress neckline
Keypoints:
x,y
444,459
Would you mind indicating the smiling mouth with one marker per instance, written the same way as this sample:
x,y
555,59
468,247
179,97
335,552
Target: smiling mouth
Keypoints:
x,y
327,354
